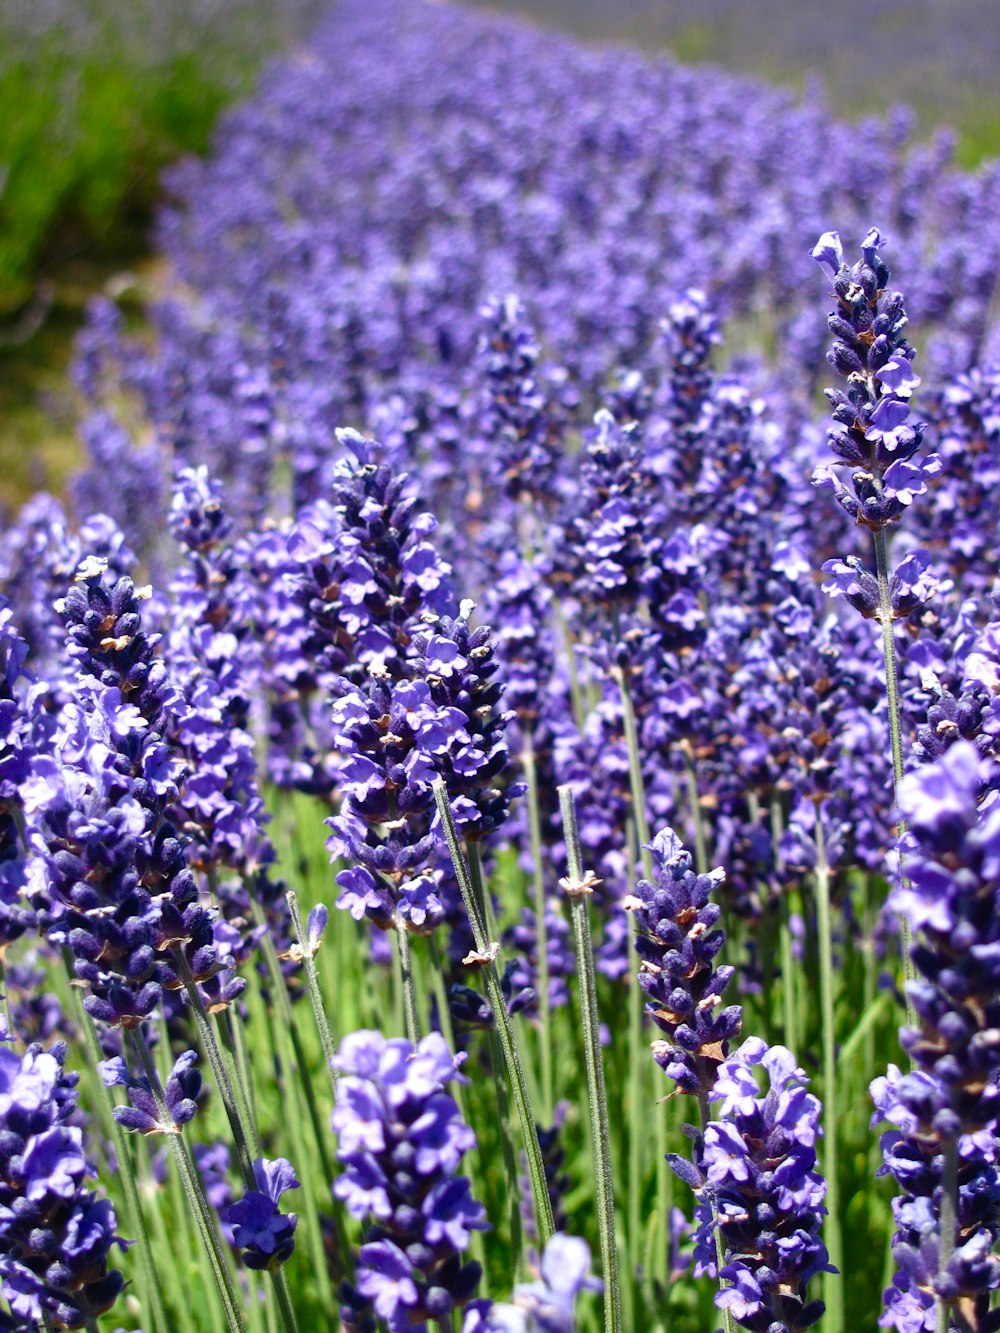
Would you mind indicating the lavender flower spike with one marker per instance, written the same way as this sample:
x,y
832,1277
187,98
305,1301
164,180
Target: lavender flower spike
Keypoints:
x,y
55,1235
547,1305
402,1138
759,1185
942,1149
871,432
265,1234
677,938
180,1094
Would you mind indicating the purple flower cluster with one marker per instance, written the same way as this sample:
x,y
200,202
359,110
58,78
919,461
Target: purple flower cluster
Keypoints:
x,y
142,1115
109,878
401,1139
55,1234
388,738
757,1184
213,663
678,939
460,667
949,1102
39,554
521,431
547,1305
18,739
264,1234
871,433
366,569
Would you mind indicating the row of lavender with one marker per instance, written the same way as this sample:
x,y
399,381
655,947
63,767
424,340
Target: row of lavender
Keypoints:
x,y
651,647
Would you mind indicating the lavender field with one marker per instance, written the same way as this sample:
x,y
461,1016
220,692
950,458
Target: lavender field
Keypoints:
x,y
500,743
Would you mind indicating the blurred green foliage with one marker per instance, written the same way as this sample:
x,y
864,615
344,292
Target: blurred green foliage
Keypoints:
x,y
96,97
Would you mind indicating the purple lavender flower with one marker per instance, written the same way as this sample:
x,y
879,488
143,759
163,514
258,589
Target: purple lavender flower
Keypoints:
x,y
19,736
756,1180
871,431
401,1140
39,554
214,664
55,1235
690,332
517,607
606,544
949,898
678,939
460,667
547,1305
948,1102
917,1165
388,737
521,430
264,1233
367,570
142,1115
109,876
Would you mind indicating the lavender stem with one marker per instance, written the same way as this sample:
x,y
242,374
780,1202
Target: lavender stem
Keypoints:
x,y
577,887
192,1189
404,973
536,1167
885,620
544,1008
312,981
833,1289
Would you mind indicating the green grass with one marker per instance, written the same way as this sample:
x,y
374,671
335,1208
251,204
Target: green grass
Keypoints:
x,y
93,109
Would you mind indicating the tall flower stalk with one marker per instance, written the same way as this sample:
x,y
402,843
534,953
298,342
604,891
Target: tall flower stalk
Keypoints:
x,y
577,886
485,955
945,1110
873,437
760,1239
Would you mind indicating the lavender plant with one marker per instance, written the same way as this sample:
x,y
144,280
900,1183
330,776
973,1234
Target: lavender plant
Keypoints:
x,y
336,429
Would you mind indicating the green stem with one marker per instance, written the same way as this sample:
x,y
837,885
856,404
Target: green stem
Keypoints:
x,y
694,801
239,1122
513,1187
536,1168
219,1071
5,998
236,1041
312,982
284,1300
833,1283
541,927
135,1218
638,792
949,1225
404,963
895,738
636,784
577,888
474,1159
575,691
193,1190
789,1008
705,1116
480,891
285,1030
870,973
633,1118
297,1063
